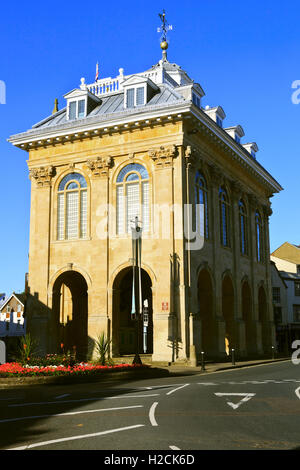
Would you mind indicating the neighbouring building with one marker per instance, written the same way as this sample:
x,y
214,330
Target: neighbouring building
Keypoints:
x,y
280,308
12,322
287,260
142,145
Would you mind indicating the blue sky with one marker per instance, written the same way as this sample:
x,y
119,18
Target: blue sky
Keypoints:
x,y
245,55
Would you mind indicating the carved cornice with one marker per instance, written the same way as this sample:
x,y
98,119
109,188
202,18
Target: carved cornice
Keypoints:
x,y
100,166
267,210
42,175
163,156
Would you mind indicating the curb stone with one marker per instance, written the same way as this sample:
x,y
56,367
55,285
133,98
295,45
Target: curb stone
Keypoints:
x,y
10,382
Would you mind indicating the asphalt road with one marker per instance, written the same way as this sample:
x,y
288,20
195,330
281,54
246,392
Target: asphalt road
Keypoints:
x,y
251,408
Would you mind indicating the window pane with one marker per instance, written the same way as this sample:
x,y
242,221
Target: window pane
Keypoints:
x,y
140,96
60,216
145,202
132,177
133,204
132,167
72,110
72,215
83,214
81,106
130,98
72,176
72,185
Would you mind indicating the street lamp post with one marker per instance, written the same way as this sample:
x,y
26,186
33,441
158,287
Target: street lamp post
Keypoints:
x,y
137,306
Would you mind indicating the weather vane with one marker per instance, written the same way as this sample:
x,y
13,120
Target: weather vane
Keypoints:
x,y
164,28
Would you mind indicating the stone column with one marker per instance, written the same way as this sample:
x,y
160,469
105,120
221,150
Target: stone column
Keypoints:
x,y
216,180
39,318
99,315
257,333
165,318
236,251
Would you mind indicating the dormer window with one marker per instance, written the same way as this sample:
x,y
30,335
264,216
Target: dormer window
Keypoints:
x,y
219,121
135,97
77,109
196,100
130,98
80,103
140,94
237,139
216,114
138,91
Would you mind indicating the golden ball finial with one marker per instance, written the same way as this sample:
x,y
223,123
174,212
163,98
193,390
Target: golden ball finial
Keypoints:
x,y
164,45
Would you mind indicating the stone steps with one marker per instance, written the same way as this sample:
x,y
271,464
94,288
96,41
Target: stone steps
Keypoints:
x,y
145,358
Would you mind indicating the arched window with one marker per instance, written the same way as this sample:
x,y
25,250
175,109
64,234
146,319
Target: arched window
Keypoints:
x,y
243,228
224,217
132,197
72,207
201,198
259,236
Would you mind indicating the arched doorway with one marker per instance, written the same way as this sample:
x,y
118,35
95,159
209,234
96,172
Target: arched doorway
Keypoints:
x,y
262,316
247,317
124,328
70,313
228,313
205,299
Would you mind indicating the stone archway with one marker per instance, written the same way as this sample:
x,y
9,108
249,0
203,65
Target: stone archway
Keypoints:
x,y
124,328
205,300
228,313
70,313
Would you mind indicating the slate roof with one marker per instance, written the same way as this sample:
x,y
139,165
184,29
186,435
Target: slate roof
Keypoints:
x,y
114,104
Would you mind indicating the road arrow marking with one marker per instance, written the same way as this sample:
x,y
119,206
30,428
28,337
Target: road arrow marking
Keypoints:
x,y
297,391
247,397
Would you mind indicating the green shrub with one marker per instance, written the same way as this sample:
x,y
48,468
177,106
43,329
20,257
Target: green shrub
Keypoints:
x,y
102,347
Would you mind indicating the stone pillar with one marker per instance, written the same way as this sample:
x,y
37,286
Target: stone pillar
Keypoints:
x,y
98,297
38,312
236,251
165,314
216,179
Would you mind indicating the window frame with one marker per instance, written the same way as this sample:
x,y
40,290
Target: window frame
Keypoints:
x,y
227,206
135,92
296,288
259,237
200,177
76,101
243,215
64,192
122,210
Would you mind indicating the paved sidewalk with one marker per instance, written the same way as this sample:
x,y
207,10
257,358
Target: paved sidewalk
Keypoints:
x,y
217,366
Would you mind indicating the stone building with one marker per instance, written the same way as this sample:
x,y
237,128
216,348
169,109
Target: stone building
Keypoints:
x,y
287,260
143,145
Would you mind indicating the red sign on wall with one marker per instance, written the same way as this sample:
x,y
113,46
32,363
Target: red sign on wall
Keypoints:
x,y
165,306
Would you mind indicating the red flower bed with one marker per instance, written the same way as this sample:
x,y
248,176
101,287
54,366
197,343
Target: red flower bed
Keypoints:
x,y
14,369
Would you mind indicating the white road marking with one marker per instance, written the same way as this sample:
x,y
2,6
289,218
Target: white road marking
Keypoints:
x,y
297,391
70,413
174,448
73,438
81,400
175,389
62,396
207,383
151,414
247,397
